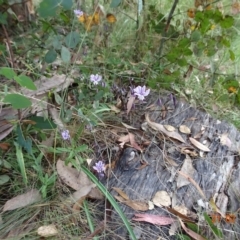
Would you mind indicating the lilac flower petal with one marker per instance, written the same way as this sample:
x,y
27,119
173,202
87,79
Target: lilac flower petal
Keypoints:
x,y
65,135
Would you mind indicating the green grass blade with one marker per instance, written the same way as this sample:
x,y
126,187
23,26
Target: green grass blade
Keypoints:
x,y
21,162
89,219
111,200
217,232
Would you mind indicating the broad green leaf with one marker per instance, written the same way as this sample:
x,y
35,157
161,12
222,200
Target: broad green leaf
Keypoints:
x,y
65,55
7,72
115,3
50,56
56,42
195,36
99,95
64,17
72,39
48,8
183,43
182,62
25,81
18,101
42,123
232,55
214,229
227,22
67,4
3,18
4,179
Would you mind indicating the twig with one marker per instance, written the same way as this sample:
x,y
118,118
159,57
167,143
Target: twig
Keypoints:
x,y
167,27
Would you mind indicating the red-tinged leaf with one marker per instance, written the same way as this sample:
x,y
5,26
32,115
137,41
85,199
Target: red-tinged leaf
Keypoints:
x,y
130,102
191,233
154,219
133,143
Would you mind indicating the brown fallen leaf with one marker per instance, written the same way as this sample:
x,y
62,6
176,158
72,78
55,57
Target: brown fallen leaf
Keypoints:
x,y
130,102
159,127
129,138
224,140
199,145
4,146
162,198
190,232
121,193
71,176
180,215
136,205
23,200
128,126
47,231
170,128
184,129
154,219
188,169
193,182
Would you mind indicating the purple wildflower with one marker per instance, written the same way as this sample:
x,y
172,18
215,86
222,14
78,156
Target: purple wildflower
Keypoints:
x,y
78,13
65,135
95,79
141,92
173,99
99,167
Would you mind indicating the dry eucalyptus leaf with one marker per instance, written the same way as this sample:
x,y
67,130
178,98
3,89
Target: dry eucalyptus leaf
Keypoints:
x,y
162,198
184,129
82,192
130,102
23,200
188,169
173,230
95,193
224,140
170,128
128,126
136,205
114,109
71,176
121,193
47,231
150,205
160,128
154,219
199,145
190,232
181,209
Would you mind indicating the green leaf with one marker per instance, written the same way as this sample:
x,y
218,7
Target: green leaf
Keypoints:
x,y
50,56
26,144
18,101
72,39
111,200
4,179
115,3
183,43
232,55
65,55
227,22
99,95
64,17
67,4
183,237
56,42
7,72
3,18
195,36
48,8
21,162
214,229
42,123
25,81
182,62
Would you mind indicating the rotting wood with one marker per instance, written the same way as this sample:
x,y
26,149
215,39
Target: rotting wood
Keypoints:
x,y
217,171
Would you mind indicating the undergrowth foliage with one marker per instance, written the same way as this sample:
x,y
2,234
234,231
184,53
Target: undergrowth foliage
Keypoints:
x,y
108,49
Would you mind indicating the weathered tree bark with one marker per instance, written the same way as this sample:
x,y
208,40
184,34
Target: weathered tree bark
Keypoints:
x,y
216,172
